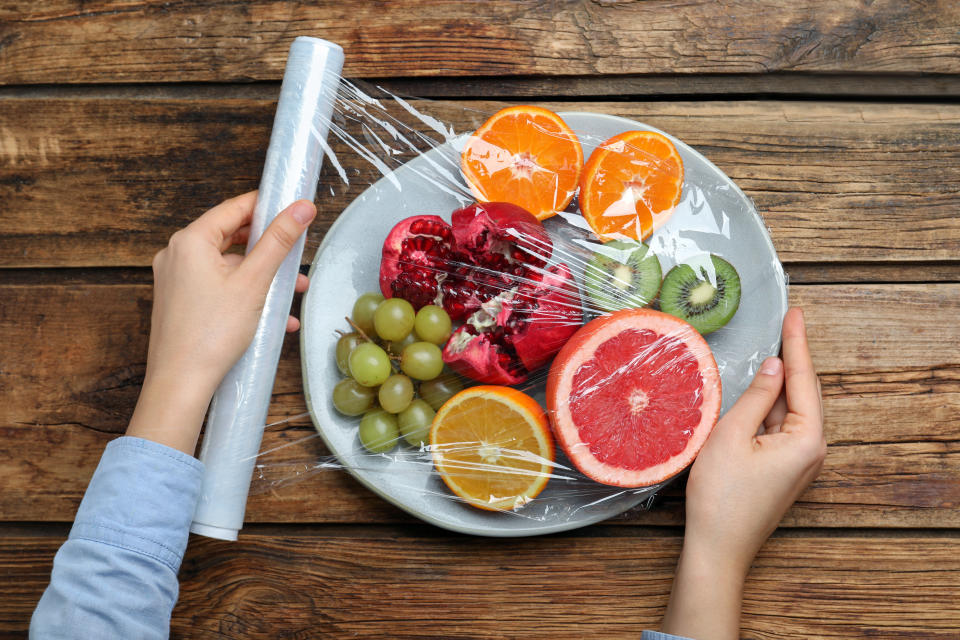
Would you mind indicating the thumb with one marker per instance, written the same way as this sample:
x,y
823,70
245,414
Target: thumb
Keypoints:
x,y
278,239
757,401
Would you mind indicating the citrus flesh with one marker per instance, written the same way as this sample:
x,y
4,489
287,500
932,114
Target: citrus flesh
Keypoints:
x,y
633,396
526,156
492,447
631,185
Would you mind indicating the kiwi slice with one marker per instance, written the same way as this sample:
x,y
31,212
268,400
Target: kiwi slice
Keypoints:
x,y
622,275
706,302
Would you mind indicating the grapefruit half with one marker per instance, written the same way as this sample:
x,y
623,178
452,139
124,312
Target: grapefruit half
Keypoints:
x,y
632,397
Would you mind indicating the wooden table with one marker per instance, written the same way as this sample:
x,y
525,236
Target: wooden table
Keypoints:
x,y
121,121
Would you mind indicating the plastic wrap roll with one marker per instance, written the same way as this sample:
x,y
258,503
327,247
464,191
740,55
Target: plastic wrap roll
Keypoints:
x,y
239,408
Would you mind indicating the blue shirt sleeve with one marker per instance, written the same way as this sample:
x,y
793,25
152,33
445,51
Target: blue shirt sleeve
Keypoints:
x,y
116,575
659,635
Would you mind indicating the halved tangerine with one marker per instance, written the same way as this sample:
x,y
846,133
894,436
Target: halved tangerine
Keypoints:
x,y
492,446
526,156
631,185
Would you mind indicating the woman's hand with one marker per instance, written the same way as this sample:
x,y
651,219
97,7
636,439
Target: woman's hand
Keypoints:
x,y
761,455
206,307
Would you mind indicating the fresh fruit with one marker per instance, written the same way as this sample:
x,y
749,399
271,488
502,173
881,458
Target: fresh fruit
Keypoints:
x,y
487,249
378,431
396,347
433,324
416,258
422,360
489,269
631,184
524,155
492,447
395,393
352,398
707,299
633,396
363,310
345,346
622,275
518,331
369,364
414,422
437,391
393,319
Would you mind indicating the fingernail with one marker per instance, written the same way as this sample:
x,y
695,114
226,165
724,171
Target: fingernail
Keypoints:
x,y
303,211
770,367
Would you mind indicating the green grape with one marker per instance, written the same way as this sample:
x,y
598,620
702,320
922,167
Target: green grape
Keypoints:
x,y
378,431
345,346
393,319
396,393
396,347
422,360
414,422
433,324
363,310
437,391
352,398
369,364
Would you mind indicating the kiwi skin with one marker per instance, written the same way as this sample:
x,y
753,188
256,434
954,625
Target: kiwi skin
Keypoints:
x,y
692,297
605,283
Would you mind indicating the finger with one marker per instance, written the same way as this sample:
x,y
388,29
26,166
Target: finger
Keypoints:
x,y
777,414
292,324
801,379
303,283
240,236
759,398
226,218
262,262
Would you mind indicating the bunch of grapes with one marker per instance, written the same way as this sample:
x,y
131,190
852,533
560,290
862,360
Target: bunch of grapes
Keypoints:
x,y
394,367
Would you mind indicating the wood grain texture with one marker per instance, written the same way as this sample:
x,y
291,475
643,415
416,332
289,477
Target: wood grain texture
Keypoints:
x,y
74,355
105,182
69,41
418,583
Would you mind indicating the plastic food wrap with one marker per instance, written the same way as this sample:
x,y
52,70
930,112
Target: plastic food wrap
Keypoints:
x,y
606,294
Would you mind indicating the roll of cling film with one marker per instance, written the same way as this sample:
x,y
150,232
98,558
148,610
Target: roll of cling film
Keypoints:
x,y
239,407
519,317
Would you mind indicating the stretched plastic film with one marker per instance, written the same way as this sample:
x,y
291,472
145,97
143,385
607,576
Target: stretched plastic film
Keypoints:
x,y
522,321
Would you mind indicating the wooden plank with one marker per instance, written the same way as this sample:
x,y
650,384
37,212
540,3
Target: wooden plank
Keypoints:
x,y
366,582
150,41
74,360
105,182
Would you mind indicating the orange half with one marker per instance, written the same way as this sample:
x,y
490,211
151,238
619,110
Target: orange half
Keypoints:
x,y
526,156
631,185
493,447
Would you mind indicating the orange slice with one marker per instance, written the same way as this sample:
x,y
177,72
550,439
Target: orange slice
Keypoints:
x,y
492,446
631,185
526,156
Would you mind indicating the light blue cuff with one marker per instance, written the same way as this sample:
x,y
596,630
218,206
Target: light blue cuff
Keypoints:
x,y
658,635
141,498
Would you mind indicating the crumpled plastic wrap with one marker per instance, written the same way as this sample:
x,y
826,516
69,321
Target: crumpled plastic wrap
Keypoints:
x,y
564,397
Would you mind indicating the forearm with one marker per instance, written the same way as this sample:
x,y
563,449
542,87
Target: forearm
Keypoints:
x,y
170,411
706,596
116,576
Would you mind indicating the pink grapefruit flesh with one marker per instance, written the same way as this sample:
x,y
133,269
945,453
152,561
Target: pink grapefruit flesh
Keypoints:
x,y
632,397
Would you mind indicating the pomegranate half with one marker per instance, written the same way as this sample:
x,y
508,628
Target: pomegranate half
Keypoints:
x,y
487,269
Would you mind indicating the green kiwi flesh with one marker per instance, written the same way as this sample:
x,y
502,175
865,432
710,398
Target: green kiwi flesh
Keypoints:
x,y
622,275
705,302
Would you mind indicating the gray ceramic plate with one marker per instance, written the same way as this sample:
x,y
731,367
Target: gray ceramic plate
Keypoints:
x,y
714,216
